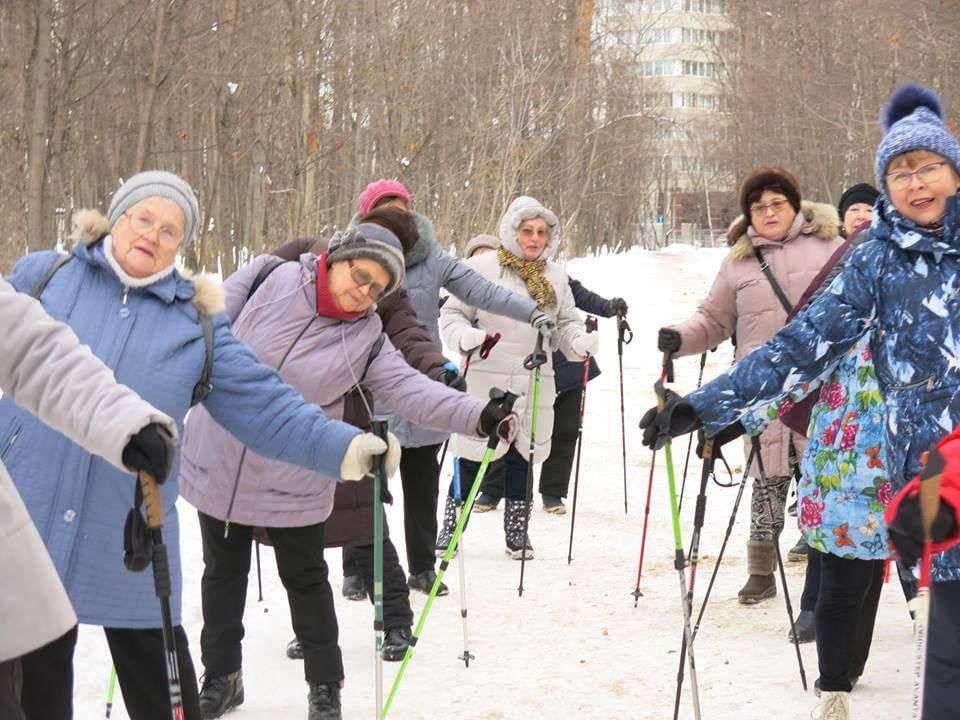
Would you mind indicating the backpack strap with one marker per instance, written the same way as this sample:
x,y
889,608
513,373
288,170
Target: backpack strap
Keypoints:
x,y
62,259
372,355
268,267
203,387
777,290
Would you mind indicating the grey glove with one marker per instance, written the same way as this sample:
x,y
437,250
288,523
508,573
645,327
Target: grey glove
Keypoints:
x,y
548,328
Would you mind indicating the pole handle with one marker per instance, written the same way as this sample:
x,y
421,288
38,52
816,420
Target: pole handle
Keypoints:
x,y
378,427
668,367
623,328
152,502
488,344
538,357
590,323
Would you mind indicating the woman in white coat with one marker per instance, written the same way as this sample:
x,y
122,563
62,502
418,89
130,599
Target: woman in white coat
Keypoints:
x,y
529,234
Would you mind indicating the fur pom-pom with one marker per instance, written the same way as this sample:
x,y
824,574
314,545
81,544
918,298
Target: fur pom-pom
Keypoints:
x,y
907,98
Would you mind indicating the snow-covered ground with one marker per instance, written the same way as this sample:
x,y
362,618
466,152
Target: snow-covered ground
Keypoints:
x,y
574,645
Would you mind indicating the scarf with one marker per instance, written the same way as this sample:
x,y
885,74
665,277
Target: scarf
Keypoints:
x,y
127,280
326,306
531,271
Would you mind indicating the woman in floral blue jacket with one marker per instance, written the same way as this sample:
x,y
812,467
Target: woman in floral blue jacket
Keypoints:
x,y
901,289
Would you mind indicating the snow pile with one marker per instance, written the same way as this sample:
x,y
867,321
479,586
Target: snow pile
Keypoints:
x,y
573,645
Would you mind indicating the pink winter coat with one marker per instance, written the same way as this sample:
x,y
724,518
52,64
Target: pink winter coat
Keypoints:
x,y
742,301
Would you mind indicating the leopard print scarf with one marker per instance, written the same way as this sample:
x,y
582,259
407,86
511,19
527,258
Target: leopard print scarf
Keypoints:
x,y
531,271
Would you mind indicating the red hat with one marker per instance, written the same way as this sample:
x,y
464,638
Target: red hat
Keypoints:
x,y
380,189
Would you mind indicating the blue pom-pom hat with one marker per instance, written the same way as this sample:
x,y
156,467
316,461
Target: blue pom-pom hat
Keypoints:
x,y
913,120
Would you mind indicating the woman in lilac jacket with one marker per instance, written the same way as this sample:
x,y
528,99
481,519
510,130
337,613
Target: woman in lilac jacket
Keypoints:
x,y
314,321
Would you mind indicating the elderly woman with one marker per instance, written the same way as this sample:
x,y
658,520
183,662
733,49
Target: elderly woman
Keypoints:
x,y
776,248
311,319
529,235
124,297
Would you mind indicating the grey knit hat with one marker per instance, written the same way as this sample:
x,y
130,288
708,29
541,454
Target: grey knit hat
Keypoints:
x,y
374,242
480,241
162,184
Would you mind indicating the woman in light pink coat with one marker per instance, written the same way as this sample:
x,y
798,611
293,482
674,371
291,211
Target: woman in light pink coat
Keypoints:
x,y
793,239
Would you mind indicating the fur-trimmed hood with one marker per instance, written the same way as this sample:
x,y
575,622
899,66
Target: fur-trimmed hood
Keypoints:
x,y
819,219
89,227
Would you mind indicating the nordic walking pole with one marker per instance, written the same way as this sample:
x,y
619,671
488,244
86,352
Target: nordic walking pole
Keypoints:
x,y
646,515
467,656
622,329
153,505
378,428
679,562
256,546
765,489
485,347
929,505
533,362
723,546
709,458
508,400
111,688
686,463
591,324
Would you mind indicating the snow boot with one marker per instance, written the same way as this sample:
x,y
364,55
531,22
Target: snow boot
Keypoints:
x,y
853,683
395,644
761,562
485,503
553,504
323,701
353,588
798,553
806,627
423,581
833,706
449,525
295,650
219,693
515,511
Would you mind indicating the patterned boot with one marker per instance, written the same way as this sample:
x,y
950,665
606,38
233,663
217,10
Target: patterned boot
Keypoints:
x,y
514,514
449,525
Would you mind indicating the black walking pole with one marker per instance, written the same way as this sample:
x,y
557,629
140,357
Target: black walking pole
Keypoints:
x,y
622,329
776,545
533,362
591,324
153,505
686,463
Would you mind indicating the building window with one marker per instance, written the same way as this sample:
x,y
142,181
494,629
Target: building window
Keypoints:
x,y
698,36
695,68
659,68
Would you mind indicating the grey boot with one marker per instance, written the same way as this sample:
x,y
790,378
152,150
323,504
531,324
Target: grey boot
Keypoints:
x,y
514,513
449,525
761,563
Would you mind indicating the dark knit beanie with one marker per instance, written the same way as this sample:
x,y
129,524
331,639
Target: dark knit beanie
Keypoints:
x,y
859,193
770,178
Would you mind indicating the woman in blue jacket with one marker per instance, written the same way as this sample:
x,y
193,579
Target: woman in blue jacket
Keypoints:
x,y
123,295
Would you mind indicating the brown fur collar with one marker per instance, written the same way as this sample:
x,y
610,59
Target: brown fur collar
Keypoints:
x,y
91,225
822,221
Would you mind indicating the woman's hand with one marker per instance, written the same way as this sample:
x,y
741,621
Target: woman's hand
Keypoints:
x,y
358,460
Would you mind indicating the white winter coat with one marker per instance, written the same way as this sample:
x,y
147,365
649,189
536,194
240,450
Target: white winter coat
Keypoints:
x,y
504,367
44,369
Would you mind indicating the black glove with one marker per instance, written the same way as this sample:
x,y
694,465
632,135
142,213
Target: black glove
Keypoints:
x,y
730,432
451,377
151,450
496,418
616,306
668,340
906,530
677,418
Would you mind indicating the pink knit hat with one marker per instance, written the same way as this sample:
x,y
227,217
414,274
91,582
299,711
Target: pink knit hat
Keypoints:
x,y
380,189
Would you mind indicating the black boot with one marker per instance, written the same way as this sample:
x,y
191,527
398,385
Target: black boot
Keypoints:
x,y
423,581
449,525
295,650
324,701
353,588
514,513
395,644
220,693
806,626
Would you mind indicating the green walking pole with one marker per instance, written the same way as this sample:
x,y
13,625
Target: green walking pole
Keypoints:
x,y
111,688
378,428
679,561
533,362
508,399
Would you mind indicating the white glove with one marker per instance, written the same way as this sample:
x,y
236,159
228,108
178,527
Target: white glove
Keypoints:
x,y
471,338
586,344
548,328
358,460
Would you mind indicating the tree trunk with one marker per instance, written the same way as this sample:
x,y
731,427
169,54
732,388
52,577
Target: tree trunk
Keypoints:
x,y
37,163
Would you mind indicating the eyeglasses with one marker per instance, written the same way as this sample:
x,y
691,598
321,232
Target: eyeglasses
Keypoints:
x,y
929,173
760,210
144,224
362,278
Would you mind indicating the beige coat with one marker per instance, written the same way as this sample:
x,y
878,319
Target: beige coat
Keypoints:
x,y
44,369
742,301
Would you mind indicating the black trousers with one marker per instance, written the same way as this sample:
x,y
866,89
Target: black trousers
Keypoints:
x,y
397,614
941,696
846,611
811,581
514,469
420,478
138,656
555,473
303,572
